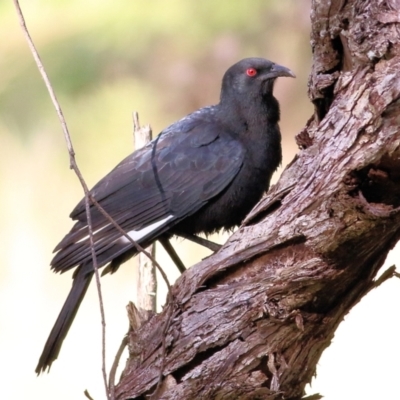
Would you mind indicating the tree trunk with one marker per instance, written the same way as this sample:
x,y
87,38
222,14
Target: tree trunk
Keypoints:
x,y
252,321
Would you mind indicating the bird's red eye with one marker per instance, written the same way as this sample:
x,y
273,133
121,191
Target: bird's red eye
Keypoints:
x,y
251,71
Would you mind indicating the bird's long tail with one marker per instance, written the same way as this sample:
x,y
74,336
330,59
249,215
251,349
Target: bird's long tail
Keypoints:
x,y
60,329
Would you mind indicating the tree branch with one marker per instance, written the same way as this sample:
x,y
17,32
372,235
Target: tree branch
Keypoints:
x,y
147,281
253,320
89,199
74,166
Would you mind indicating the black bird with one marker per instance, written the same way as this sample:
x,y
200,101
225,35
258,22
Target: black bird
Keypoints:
x,y
202,173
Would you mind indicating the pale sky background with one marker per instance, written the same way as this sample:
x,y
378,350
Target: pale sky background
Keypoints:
x,y
107,59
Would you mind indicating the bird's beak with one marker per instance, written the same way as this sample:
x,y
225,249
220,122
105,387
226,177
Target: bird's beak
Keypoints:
x,y
279,70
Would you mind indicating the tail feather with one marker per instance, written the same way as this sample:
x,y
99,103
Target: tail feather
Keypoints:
x,y
114,254
60,329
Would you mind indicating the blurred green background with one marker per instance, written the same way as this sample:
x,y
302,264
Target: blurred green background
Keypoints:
x,y
163,59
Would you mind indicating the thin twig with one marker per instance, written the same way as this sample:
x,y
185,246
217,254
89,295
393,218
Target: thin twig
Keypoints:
x,y
315,396
170,298
74,166
138,247
388,274
89,198
86,393
113,370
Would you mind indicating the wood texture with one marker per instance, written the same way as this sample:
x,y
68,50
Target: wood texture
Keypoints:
x,y
146,294
252,321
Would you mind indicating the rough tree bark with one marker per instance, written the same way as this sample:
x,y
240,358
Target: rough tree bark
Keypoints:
x,y
252,321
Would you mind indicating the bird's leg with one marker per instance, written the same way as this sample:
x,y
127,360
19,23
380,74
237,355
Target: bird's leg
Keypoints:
x,y
203,242
196,239
172,253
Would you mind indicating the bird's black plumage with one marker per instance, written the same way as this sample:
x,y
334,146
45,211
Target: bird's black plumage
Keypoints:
x,y
202,173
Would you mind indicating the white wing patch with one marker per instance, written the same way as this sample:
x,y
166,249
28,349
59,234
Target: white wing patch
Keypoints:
x,y
94,232
138,235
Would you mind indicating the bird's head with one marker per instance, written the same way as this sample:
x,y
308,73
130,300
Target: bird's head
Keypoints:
x,y
252,77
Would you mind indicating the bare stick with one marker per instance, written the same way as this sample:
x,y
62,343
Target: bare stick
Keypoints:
x,y
388,274
136,320
87,394
74,166
146,294
113,370
88,198
147,283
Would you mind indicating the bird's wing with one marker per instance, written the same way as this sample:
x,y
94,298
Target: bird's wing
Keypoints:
x,y
153,189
